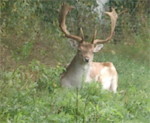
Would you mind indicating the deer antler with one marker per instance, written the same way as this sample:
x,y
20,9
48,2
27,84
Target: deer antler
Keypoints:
x,y
62,20
113,15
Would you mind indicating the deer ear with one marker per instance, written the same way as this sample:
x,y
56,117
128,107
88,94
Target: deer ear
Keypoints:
x,y
98,47
73,43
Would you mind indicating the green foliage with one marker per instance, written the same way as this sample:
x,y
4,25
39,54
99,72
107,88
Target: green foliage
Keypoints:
x,y
32,94
30,90
24,51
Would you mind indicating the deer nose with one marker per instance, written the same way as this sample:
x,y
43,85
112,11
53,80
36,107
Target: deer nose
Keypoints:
x,y
86,59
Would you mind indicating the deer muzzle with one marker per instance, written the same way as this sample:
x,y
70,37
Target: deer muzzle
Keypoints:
x,y
86,59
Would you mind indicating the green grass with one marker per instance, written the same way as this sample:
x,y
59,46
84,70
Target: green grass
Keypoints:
x,y
30,91
32,94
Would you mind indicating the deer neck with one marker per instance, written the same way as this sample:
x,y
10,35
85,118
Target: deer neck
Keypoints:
x,y
77,71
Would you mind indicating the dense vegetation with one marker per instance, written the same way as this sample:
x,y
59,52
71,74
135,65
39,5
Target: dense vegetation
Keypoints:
x,y
33,52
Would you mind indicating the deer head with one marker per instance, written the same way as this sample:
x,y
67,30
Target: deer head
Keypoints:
x,y
85,49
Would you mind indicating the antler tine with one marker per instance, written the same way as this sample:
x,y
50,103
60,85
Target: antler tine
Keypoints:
x,y
82,35
94,36
113,15
62,20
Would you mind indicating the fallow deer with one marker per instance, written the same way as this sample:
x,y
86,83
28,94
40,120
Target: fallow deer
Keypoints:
x,y
82,67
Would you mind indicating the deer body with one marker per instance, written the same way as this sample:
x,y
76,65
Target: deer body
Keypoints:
x,y
99,72
82,68
105,73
